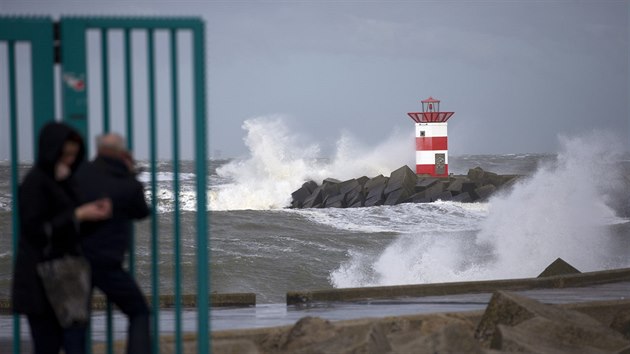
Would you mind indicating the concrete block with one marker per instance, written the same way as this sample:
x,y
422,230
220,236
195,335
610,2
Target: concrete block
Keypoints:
x,y
444,196
374,201
355,197
509,181
456,185
546,335
310,185
227,346
307,332
321,336
368,339
476,175
347,186
374,188
375,196
510,309
375,181
483,193
331,181
432,192
356,203
418,198
362,180
558,267
621,323
402,178
335,201
468,187
462,198
299,196
315,199
425,182
453,337
396,197
330,188
492,178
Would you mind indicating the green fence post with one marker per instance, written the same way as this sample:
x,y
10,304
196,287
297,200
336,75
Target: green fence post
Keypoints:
x,y
129,125
74,76
106,119
176,214
154,225
201,169
38,31
14,178
105,78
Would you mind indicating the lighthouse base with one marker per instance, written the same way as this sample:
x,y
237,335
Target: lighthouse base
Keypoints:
x,y
432,170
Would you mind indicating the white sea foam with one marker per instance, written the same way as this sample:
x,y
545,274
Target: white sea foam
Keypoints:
x,y
164,176
403,218
279,162
166,199
562,210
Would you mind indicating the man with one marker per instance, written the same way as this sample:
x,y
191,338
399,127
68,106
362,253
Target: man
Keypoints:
x,y
105,243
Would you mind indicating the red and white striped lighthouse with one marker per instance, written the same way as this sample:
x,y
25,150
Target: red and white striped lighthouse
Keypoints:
x,y
431,139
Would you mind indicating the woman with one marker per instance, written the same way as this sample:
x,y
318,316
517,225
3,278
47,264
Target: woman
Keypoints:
x,y
49,220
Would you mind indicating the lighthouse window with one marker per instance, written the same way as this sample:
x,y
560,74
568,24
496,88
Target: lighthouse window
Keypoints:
x,y
422,133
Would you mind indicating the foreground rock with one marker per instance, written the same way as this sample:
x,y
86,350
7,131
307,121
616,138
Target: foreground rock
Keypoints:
x,y
510,324
402,186
514,323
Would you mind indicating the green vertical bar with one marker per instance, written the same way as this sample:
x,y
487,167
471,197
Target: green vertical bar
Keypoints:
x,y
42,64
109,328
74,67
105,87
176,214
105,79
203,290
132,239
74,90
14,179
39,32
154,225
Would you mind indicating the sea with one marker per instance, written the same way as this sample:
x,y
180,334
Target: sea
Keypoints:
x,y
573,204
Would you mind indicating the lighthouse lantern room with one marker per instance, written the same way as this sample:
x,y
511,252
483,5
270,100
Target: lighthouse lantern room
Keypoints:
x,y
431,139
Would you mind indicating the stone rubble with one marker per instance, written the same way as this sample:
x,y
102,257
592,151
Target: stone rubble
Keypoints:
x,y
511,323
402,186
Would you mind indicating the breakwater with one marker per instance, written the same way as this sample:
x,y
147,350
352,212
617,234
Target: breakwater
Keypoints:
x,y
402,186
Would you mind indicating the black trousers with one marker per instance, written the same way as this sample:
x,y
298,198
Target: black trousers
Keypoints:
x,y
49,337
121,289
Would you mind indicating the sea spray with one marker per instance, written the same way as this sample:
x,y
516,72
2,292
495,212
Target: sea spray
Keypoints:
x,y
279,162
354,158
562,210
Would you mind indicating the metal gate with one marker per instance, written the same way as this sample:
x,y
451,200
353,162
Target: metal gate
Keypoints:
x,y
84,88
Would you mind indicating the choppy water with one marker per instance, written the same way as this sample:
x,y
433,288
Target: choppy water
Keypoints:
x,y
564,207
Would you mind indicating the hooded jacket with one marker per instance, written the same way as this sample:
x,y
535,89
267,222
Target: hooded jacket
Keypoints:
x,y
48,228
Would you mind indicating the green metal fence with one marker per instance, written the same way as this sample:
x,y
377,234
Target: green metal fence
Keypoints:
x,y
67,42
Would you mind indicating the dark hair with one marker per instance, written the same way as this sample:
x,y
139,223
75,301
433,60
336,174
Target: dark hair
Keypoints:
x,y
75,137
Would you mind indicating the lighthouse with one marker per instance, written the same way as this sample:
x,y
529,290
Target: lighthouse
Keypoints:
x,y
431,139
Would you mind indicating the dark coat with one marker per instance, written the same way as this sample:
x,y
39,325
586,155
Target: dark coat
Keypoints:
x,y
46,208
106,242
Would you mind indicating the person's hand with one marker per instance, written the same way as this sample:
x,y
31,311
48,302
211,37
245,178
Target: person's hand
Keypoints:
x,y
97,210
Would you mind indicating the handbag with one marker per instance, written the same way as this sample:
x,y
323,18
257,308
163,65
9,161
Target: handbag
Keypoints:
x,y
67,284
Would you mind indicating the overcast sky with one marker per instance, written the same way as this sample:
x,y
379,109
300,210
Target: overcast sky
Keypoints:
x,y
516,73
